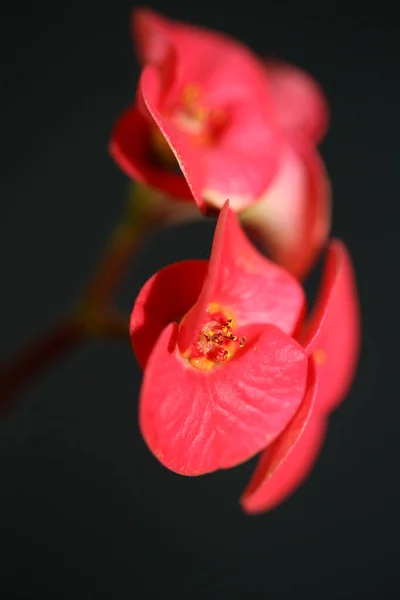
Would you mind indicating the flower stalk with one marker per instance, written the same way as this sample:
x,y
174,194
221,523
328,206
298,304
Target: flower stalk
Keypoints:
x,y
94,314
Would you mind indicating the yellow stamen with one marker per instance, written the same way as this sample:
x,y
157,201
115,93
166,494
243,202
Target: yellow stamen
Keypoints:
x,y
216,344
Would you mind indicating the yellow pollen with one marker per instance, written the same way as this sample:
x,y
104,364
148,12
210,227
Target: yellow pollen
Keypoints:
x,y
202,363
320,356
216,344
191,102
190,93
196,118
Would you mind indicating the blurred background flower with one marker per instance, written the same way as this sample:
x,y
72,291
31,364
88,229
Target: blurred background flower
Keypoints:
x,y
213,121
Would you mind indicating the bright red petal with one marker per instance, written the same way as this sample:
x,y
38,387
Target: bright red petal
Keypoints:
x,y
241,159
287,462
292,221
187,153
332,333
152,35
244,282
198,421
166,297
244,159
299,100
130,148
239,164
223,68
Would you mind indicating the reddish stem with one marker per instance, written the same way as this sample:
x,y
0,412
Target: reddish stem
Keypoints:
x,y
94,315
112,266
38,356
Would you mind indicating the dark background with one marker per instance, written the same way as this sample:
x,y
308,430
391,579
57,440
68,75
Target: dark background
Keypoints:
x,y
85,510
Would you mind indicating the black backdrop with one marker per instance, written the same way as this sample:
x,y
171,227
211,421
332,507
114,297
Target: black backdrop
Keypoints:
x,y
85,510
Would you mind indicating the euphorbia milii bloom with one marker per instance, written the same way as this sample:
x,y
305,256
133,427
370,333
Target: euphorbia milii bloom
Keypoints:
x,y
232,366
212,121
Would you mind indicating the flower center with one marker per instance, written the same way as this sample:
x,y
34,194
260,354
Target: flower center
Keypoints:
x,y
195,118
216,342
191,114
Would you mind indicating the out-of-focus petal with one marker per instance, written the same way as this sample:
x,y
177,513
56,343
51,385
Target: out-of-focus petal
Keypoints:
x,y
247,284
166,297
292,220
239,163
130,148
241,159
198,421
300,102
332,333
244,159
152,34
287,462
209,59
188,155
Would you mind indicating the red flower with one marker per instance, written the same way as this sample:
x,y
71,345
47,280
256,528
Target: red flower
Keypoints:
x,y
232,366
236,127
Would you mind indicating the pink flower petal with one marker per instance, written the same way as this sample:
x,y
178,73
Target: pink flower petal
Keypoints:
x,y
299,100
240,157
152,34
207,58
239,163
292,221
287,462
198,421
166,297
332,333
244,282
130,147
